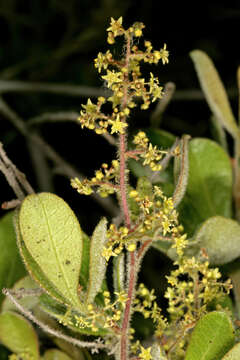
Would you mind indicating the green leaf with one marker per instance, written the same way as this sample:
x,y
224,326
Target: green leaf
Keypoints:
x,y
119,272
18,335
97,266
218,133
209,190
161,138
28,302
53,237
220,238
233,354
212,337
84,272
11,266
214,91
234,274
181,167
55,354
34,269
75,352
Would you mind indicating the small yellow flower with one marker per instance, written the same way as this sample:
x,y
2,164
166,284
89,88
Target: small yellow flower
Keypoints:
x,y
112,77
133,193
145,354
90,107
117,125
164,54
138,32
116,26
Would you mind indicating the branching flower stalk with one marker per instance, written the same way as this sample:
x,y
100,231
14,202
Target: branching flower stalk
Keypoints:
x,y
148,215
126,84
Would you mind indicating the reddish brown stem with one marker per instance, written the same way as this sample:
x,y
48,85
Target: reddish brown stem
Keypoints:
x,y
124,342
123,190
127,313
143,248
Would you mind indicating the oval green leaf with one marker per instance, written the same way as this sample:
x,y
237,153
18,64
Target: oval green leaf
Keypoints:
x,y
34,269
98,264
55,354
11,266
53,237
209,189
212,337
220,237
17,334
214,91
233,354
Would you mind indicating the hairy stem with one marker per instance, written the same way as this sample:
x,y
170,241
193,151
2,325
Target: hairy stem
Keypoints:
x,y
124,342
49,330
124,351
123,186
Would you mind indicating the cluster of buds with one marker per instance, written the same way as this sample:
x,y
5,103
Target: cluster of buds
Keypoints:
x,y
104,180
188,298
156,218
98,318
146,305
151,154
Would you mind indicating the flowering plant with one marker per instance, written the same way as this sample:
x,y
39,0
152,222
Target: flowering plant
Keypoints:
x,y
69,294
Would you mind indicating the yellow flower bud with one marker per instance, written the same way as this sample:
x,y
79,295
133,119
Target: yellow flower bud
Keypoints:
x,y
133,193
138,32
131,247
99,175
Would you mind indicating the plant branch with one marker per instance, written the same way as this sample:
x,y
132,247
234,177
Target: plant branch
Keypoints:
x,y
65,116
15,178
124,351
49,330
60,89
124,342
51,154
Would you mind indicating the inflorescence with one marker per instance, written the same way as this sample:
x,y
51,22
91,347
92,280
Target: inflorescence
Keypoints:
x,y
193,285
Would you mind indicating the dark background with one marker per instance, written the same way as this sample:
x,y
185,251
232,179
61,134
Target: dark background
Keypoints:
x,y
55,41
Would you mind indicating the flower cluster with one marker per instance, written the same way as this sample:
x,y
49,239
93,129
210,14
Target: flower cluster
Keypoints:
x,y
123,77
155,217
97,318
193,286
104,180
151,154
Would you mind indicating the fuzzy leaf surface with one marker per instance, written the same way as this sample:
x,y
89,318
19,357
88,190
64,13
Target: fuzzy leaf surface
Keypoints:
x,y
221,239
97,265
212,337
119,272
214,91
53,237
181,170
33,268
233,354
11,266
17,334
209,189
